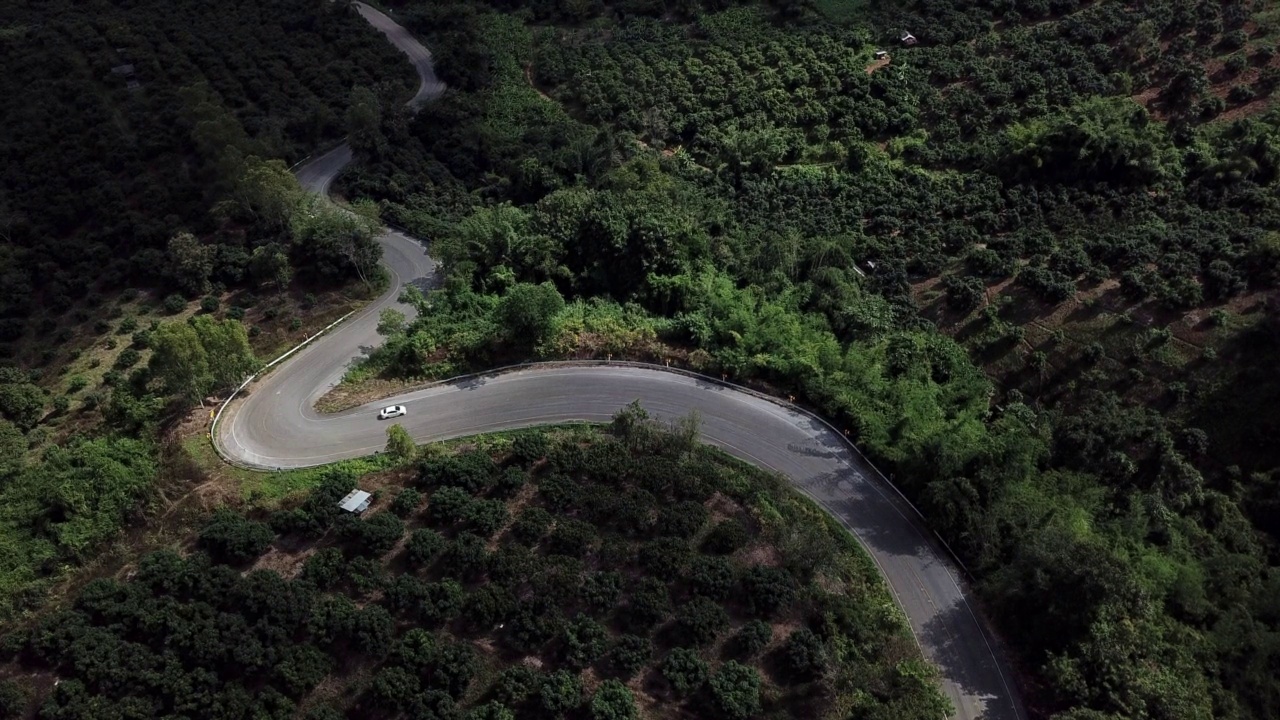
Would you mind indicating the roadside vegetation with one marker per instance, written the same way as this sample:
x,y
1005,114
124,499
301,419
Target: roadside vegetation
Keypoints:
x,y
588,573
154,246
1030,263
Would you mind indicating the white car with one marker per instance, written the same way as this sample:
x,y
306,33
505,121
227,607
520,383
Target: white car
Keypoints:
x,y
394,411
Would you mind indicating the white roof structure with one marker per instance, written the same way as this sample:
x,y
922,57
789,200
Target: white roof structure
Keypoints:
x,y
357,501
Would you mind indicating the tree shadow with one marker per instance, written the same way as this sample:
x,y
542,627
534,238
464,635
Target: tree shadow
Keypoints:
x,y
970,664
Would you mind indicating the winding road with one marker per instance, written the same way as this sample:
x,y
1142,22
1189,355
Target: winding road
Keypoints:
x,y
276,426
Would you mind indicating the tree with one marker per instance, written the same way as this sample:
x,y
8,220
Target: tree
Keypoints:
x,y
753,637
180,362
268,191
190,263
270,263
583,640
527,312
701,620
449,505
685,671
399,444
226,345
768,589
629,655
406,502
561,691
601,590
572,538
378,534
13,700
804,654
726,537
711,577
424,544
735,691
394,689
613,701
650,603
22,403
234,539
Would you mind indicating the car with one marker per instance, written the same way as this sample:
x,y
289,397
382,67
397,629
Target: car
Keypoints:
x,y
394,411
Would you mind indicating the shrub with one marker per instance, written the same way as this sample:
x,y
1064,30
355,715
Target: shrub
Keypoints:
x,y
529,447
682,520
735,691
650,604
407,500
13,699
127,358
629,655
572,538
753,637
601,590
665,558
613,701
561,691
684,671
486,516
510,482
726,537
77,383
231,538
449,505
700,620
531,525
209,303
804,656
582,641
424,545
712,577
174,304
235,312
325,568
768,589
127,325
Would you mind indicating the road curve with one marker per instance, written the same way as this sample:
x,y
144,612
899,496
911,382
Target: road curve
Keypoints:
x,y
276,426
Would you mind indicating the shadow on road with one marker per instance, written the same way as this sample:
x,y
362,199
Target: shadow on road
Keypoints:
x,y
873,519
965,661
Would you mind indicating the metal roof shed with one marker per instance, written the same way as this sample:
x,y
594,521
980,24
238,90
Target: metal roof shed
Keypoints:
x,y
357,501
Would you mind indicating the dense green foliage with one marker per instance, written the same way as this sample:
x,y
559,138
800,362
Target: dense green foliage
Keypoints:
x,y
734,188
98,175
443,637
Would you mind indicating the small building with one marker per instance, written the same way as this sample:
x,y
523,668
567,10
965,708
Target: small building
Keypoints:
x,y
126,69
908,39
882,54
357,501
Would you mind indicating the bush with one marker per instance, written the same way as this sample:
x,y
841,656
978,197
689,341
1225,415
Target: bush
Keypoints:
x,y
13,699
753,637
711,577
684,671
510,482
629,655
77,383
582,641
650,604
700,620
682,520
767,590
735,691
529,447
449,505
127,358
560,692
127,325
726,537
174,304
209,304
235,312
424,545
665,558
407,500
601,590
613,701
804,656
572,538
233,539
531,525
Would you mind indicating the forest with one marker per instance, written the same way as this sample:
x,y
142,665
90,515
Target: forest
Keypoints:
x,y
483,582
1030,261
130,123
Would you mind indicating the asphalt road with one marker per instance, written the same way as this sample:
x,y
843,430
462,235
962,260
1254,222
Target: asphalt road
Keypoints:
x,y
276,426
